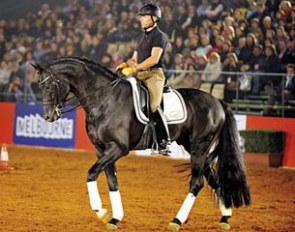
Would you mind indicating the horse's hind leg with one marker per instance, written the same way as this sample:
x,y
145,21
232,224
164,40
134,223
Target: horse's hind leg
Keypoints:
x,y
198,157
211,178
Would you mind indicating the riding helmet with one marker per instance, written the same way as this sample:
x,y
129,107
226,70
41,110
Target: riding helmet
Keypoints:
x,y
150,9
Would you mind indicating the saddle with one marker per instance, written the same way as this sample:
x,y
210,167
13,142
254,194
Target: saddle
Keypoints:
x,y
173,107
172,104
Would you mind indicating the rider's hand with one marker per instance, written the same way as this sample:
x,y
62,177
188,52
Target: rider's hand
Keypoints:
x,y
122,66
129,71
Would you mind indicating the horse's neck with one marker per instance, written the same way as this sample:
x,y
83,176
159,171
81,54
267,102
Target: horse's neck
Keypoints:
x,y
90,92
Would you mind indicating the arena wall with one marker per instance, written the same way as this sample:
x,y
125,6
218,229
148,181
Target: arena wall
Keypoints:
x,y
23,125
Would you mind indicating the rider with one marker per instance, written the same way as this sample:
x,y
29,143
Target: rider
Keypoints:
x,y
147,63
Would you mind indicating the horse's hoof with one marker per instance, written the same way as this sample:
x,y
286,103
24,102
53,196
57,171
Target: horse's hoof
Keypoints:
x,y
224,225
111,226
173,227
103,215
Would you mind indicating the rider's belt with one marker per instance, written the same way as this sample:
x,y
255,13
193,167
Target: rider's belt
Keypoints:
x,y
152,69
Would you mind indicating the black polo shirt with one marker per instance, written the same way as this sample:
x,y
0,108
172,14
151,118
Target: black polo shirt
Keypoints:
x,y
150,39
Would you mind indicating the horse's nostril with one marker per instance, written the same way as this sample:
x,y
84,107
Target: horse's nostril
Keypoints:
x,y
46,117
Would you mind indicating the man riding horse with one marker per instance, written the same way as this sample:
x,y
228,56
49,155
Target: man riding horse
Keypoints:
x,y
147,64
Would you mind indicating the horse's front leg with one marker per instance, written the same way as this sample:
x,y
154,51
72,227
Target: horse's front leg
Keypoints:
x,y
94,196
106,163
196,184
115,197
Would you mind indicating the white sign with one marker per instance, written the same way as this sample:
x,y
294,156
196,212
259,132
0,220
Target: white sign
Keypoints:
x,y
34,126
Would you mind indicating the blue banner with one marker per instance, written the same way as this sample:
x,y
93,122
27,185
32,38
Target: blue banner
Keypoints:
x,y
31,129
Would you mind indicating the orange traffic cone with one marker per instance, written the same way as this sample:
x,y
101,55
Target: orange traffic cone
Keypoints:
x,y
4,159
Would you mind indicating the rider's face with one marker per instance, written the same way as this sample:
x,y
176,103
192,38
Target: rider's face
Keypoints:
x,y
146,21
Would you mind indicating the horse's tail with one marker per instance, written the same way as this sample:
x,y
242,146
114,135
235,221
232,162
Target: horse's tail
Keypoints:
x,y
231,170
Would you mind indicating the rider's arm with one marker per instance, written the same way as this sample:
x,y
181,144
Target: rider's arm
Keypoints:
x,y
133,60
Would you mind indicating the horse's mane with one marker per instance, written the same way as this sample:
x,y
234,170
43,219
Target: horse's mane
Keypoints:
x,y
87,64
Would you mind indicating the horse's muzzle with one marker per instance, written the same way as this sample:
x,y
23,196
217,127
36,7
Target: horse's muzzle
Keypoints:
x,y
55,115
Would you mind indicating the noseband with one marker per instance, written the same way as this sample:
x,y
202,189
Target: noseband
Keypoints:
x,y
58,102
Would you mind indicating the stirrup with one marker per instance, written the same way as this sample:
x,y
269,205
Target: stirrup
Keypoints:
x,y
164,149
165,152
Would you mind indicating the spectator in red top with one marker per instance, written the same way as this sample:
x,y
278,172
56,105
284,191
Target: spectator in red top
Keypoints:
x,y
218,47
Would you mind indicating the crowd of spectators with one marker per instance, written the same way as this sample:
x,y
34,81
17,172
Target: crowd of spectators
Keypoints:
x,y
206,37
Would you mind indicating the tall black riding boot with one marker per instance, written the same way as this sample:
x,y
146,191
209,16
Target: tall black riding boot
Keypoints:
x,y
163,146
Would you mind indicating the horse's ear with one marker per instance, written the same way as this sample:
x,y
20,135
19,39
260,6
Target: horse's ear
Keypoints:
x,y
38,67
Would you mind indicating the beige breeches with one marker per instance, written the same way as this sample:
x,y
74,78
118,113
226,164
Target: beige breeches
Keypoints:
x,y
154,81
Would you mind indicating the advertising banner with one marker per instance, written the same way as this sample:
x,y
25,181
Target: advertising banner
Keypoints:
x,y
31,129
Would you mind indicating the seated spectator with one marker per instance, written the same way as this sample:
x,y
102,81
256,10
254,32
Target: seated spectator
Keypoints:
x,y
246,52
193,78
214,11
204,47
240,32
280,34
251,9
255,63
191,20
178,73
240,45
229,33
214,34
213,69
285,91
286,56
226,48
193,44
218,45
286,7
191,33
256,30
177,77
230,65
270,64
270,35
201,10
238,16
14,91
5,72
178,46
199,67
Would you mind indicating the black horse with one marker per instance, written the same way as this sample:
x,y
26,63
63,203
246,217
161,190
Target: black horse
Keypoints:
x,y
114,130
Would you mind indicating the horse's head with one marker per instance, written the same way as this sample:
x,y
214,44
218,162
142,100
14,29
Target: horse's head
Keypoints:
x,y
55,90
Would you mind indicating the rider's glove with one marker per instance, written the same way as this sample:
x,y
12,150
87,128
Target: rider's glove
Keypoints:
x,y
129,71
122,66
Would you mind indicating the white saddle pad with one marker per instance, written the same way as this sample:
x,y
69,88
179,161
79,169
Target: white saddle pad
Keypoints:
x,y
174,105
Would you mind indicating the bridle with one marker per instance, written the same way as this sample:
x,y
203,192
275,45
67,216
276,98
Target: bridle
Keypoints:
x,y
58,102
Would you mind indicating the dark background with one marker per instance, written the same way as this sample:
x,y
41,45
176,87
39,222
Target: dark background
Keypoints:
x,y
19,8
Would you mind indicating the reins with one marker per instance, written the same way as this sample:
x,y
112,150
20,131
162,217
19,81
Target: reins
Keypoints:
x,y
58,106
58,103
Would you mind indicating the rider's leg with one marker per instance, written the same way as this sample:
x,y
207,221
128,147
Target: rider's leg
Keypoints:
x,y
155,84
164,149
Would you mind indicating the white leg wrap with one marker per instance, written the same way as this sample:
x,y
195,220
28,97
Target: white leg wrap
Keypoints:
x,y
117,206
95,201
224,211
186,208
